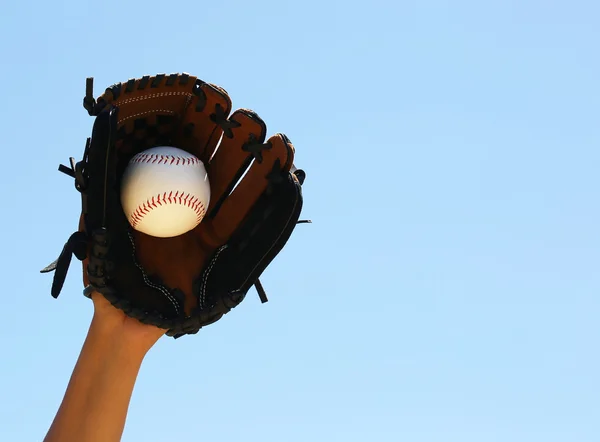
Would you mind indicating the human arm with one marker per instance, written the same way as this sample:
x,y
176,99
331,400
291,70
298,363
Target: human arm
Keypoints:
x,y
95,404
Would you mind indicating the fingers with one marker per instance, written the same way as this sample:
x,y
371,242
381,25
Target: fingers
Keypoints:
x,y
203,121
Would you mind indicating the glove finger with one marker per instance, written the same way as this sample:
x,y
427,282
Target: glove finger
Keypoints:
x,y
274,159
204,121
231,159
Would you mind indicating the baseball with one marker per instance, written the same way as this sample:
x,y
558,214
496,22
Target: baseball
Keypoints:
x,y
165,192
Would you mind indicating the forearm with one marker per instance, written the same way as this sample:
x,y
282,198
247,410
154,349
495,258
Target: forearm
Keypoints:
x,y
95,404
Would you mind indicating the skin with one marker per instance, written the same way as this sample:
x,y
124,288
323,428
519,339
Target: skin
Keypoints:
x,y
94,407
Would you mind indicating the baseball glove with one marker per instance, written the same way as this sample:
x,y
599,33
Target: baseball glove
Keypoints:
x,y
186,282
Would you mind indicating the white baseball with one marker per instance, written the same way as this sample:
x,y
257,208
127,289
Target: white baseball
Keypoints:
x,y
165,192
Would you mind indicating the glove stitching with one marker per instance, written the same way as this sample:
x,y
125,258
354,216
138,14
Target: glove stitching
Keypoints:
x,y
157,95
150,284
205,278
168,111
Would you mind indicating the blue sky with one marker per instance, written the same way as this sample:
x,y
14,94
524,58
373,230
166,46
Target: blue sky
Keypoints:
x,y
447,290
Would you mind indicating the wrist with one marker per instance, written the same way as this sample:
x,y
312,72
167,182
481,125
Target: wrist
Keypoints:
x,y
122,331
116,338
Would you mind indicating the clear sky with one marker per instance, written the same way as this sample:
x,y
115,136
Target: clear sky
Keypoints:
x,y
448,289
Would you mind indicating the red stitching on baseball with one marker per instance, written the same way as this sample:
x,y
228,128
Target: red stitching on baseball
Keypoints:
x,y
187,200
164,159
